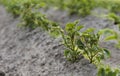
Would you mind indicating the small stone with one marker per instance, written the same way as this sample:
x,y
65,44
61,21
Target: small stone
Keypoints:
x,y
2,73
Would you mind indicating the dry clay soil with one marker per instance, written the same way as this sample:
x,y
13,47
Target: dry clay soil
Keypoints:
x,y
36,53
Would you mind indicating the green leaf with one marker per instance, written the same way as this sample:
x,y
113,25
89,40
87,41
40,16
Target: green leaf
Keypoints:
x,y
112,37
54,33
101,72
69,27
102,56
89,30
76,22
100,32
110,73
106,52
80,44
79,27
106,31
66,52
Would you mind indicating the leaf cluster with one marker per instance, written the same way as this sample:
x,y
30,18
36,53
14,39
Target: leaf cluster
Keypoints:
x,y
30,17
108,71
111,5
69,36
115,18
77,43
81,7
89,43
111,35
85,43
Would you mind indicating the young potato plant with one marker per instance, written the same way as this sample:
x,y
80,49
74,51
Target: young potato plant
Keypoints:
x,y
111,35
56,3
89,44
29,15
69,37
31,18
85,43
115,6
115,18
15,6
81,7
107,71
111,5
12,6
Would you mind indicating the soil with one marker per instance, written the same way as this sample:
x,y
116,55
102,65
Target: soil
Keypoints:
x,y
36,53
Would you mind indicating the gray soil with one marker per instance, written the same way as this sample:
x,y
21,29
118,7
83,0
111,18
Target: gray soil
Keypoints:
x,y
36,53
